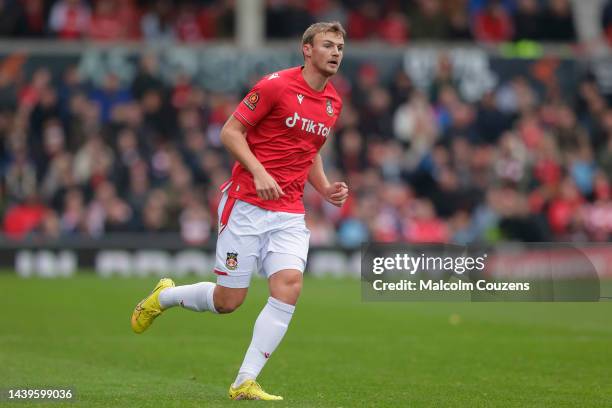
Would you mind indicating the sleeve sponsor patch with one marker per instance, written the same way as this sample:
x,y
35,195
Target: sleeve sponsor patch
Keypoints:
x,y
251,100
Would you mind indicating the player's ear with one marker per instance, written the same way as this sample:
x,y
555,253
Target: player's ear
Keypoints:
x,y
307,50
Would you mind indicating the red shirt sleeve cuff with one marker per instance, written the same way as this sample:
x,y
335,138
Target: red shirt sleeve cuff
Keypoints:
x,y
242,119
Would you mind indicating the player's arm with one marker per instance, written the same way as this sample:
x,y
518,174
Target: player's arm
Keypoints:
x,y
336,193
233,137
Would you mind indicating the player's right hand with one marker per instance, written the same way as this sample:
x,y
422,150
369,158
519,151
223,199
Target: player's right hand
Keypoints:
x,y
267,188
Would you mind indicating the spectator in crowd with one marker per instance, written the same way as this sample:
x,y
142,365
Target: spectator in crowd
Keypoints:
x,y
187,24
490,121
10,16
424,225
72,214
363,21
493,24
558,22
155,217
33,18
24,217
20,175
224,18
606,21
107,23
393,28
287,18
70,19
351,151
148,77
328,10
109,96
429,21
459,25
194,220
414,123
377,116
527,20
157,23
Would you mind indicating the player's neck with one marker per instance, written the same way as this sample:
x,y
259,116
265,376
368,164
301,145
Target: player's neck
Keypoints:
x,y
314,78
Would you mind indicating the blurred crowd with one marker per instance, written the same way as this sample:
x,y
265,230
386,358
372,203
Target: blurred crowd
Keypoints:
x,y
190,21
423,165
522,163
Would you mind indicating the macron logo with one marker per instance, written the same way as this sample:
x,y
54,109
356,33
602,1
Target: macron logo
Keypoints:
x,y
274,75
300,98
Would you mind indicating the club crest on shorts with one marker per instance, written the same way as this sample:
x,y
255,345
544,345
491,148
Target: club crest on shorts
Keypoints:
x,y
329,108
232,260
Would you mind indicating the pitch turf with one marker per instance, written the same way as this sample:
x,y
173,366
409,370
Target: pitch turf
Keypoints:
x,y
339,352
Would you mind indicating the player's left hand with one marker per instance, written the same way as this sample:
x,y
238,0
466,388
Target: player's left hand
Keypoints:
x,y
337,193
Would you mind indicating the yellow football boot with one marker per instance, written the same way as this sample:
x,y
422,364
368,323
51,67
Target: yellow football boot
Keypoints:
x,y
250,390
149,308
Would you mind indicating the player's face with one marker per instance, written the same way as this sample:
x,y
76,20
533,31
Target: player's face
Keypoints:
x,y
326,52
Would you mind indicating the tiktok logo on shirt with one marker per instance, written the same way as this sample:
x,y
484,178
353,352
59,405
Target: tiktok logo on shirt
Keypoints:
x,y
308,125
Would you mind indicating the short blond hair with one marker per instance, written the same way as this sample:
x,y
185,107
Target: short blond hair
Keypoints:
x,y
323,27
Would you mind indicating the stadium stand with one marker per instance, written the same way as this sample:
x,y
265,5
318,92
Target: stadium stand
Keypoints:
x,y
523,162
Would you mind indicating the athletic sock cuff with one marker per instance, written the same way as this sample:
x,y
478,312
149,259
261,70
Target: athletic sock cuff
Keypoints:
x,y
282,306
210,300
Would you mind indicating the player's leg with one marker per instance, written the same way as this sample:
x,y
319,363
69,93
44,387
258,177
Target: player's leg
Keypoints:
x,y
198,297
284,265
272,322
204,296
236,256
270,328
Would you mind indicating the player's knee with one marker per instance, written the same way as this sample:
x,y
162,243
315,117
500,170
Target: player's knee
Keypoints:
x,y
294,285
287,287
227,300
225,309
224,306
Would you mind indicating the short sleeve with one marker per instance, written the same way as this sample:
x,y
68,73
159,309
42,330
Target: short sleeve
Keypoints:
x,y
259,101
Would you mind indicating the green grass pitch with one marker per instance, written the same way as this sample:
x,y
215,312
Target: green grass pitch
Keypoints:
x,y
338,352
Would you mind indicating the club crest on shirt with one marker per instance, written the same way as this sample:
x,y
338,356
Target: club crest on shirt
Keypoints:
x,y
251,100
231,261
329,108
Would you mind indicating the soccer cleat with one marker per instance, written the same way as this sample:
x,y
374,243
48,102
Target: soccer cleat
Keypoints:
x,y
149,308
251,390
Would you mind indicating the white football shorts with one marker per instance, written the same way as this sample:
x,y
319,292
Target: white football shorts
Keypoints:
x,y
255,239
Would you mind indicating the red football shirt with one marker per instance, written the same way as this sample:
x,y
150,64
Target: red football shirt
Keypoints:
x,y
287,123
